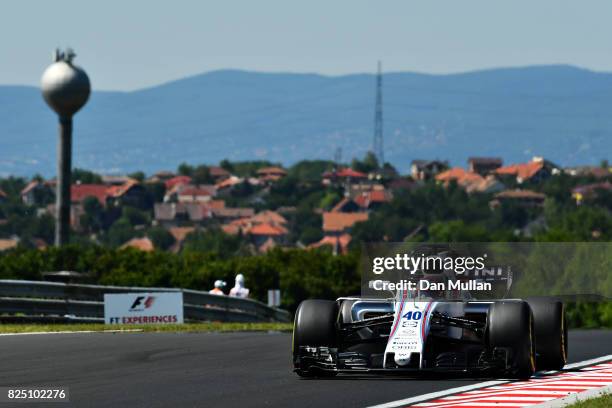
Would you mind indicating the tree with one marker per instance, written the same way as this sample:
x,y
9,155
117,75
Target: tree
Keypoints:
x,y
310,170
305,226
135,216
93,219
138,175
12,186
367,165
246,168
201,175
330,199
185,169
161,238
310,235
120,232
213,240
85,176
44,196
226,165
457,231
155,192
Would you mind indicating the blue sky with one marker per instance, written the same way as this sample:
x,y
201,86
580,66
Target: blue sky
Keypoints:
x,y
127,45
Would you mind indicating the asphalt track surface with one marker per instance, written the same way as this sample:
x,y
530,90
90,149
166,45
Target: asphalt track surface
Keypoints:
x,y
208,370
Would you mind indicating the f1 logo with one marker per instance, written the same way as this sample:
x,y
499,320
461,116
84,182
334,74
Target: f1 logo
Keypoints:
x,y
147,303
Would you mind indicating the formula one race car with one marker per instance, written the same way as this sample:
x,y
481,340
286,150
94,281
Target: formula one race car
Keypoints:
x,y
508,338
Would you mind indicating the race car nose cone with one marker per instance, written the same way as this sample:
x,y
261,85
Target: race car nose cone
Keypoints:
x,y
402,360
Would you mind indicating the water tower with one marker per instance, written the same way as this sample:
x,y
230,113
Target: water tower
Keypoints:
x,y
66,89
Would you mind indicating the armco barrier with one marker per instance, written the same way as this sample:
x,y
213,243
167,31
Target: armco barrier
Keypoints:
x,y
51,299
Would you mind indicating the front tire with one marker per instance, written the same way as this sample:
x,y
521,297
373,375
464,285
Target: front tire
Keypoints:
x,y
314,326
510,326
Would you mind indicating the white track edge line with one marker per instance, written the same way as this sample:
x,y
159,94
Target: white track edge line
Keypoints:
x,y
449,391
588,362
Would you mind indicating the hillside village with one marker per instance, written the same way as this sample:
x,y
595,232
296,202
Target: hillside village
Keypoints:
x,y
252,207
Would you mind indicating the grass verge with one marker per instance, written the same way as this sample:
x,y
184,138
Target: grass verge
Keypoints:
x,y
604,401
189,327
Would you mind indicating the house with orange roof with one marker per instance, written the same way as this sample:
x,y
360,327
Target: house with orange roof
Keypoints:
x,y
236,227
112,180
354,189
76,211
336,223
218,173
401,184
171,182
142,244
225,214
459,175
346,205
524,198
471,181
343,176
171,194
268,244
349,173
131,193
486,185
597,172
337,227
484,165
181,214
270,217
80,192
3,196
8,243
160,177
215,204
449,175
191,193
228,183
536,170
339,243
422,170
267,229
370,200
271,174
188,193
587,192
265,232
179,234
245,225
38,192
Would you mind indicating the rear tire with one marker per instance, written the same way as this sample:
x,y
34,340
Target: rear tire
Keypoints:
x,y
550,333
510,326
314,326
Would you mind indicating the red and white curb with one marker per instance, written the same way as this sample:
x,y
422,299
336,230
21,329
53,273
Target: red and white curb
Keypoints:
x,y
551,389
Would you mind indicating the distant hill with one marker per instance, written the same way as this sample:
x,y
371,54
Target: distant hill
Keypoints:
x,y
561,112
